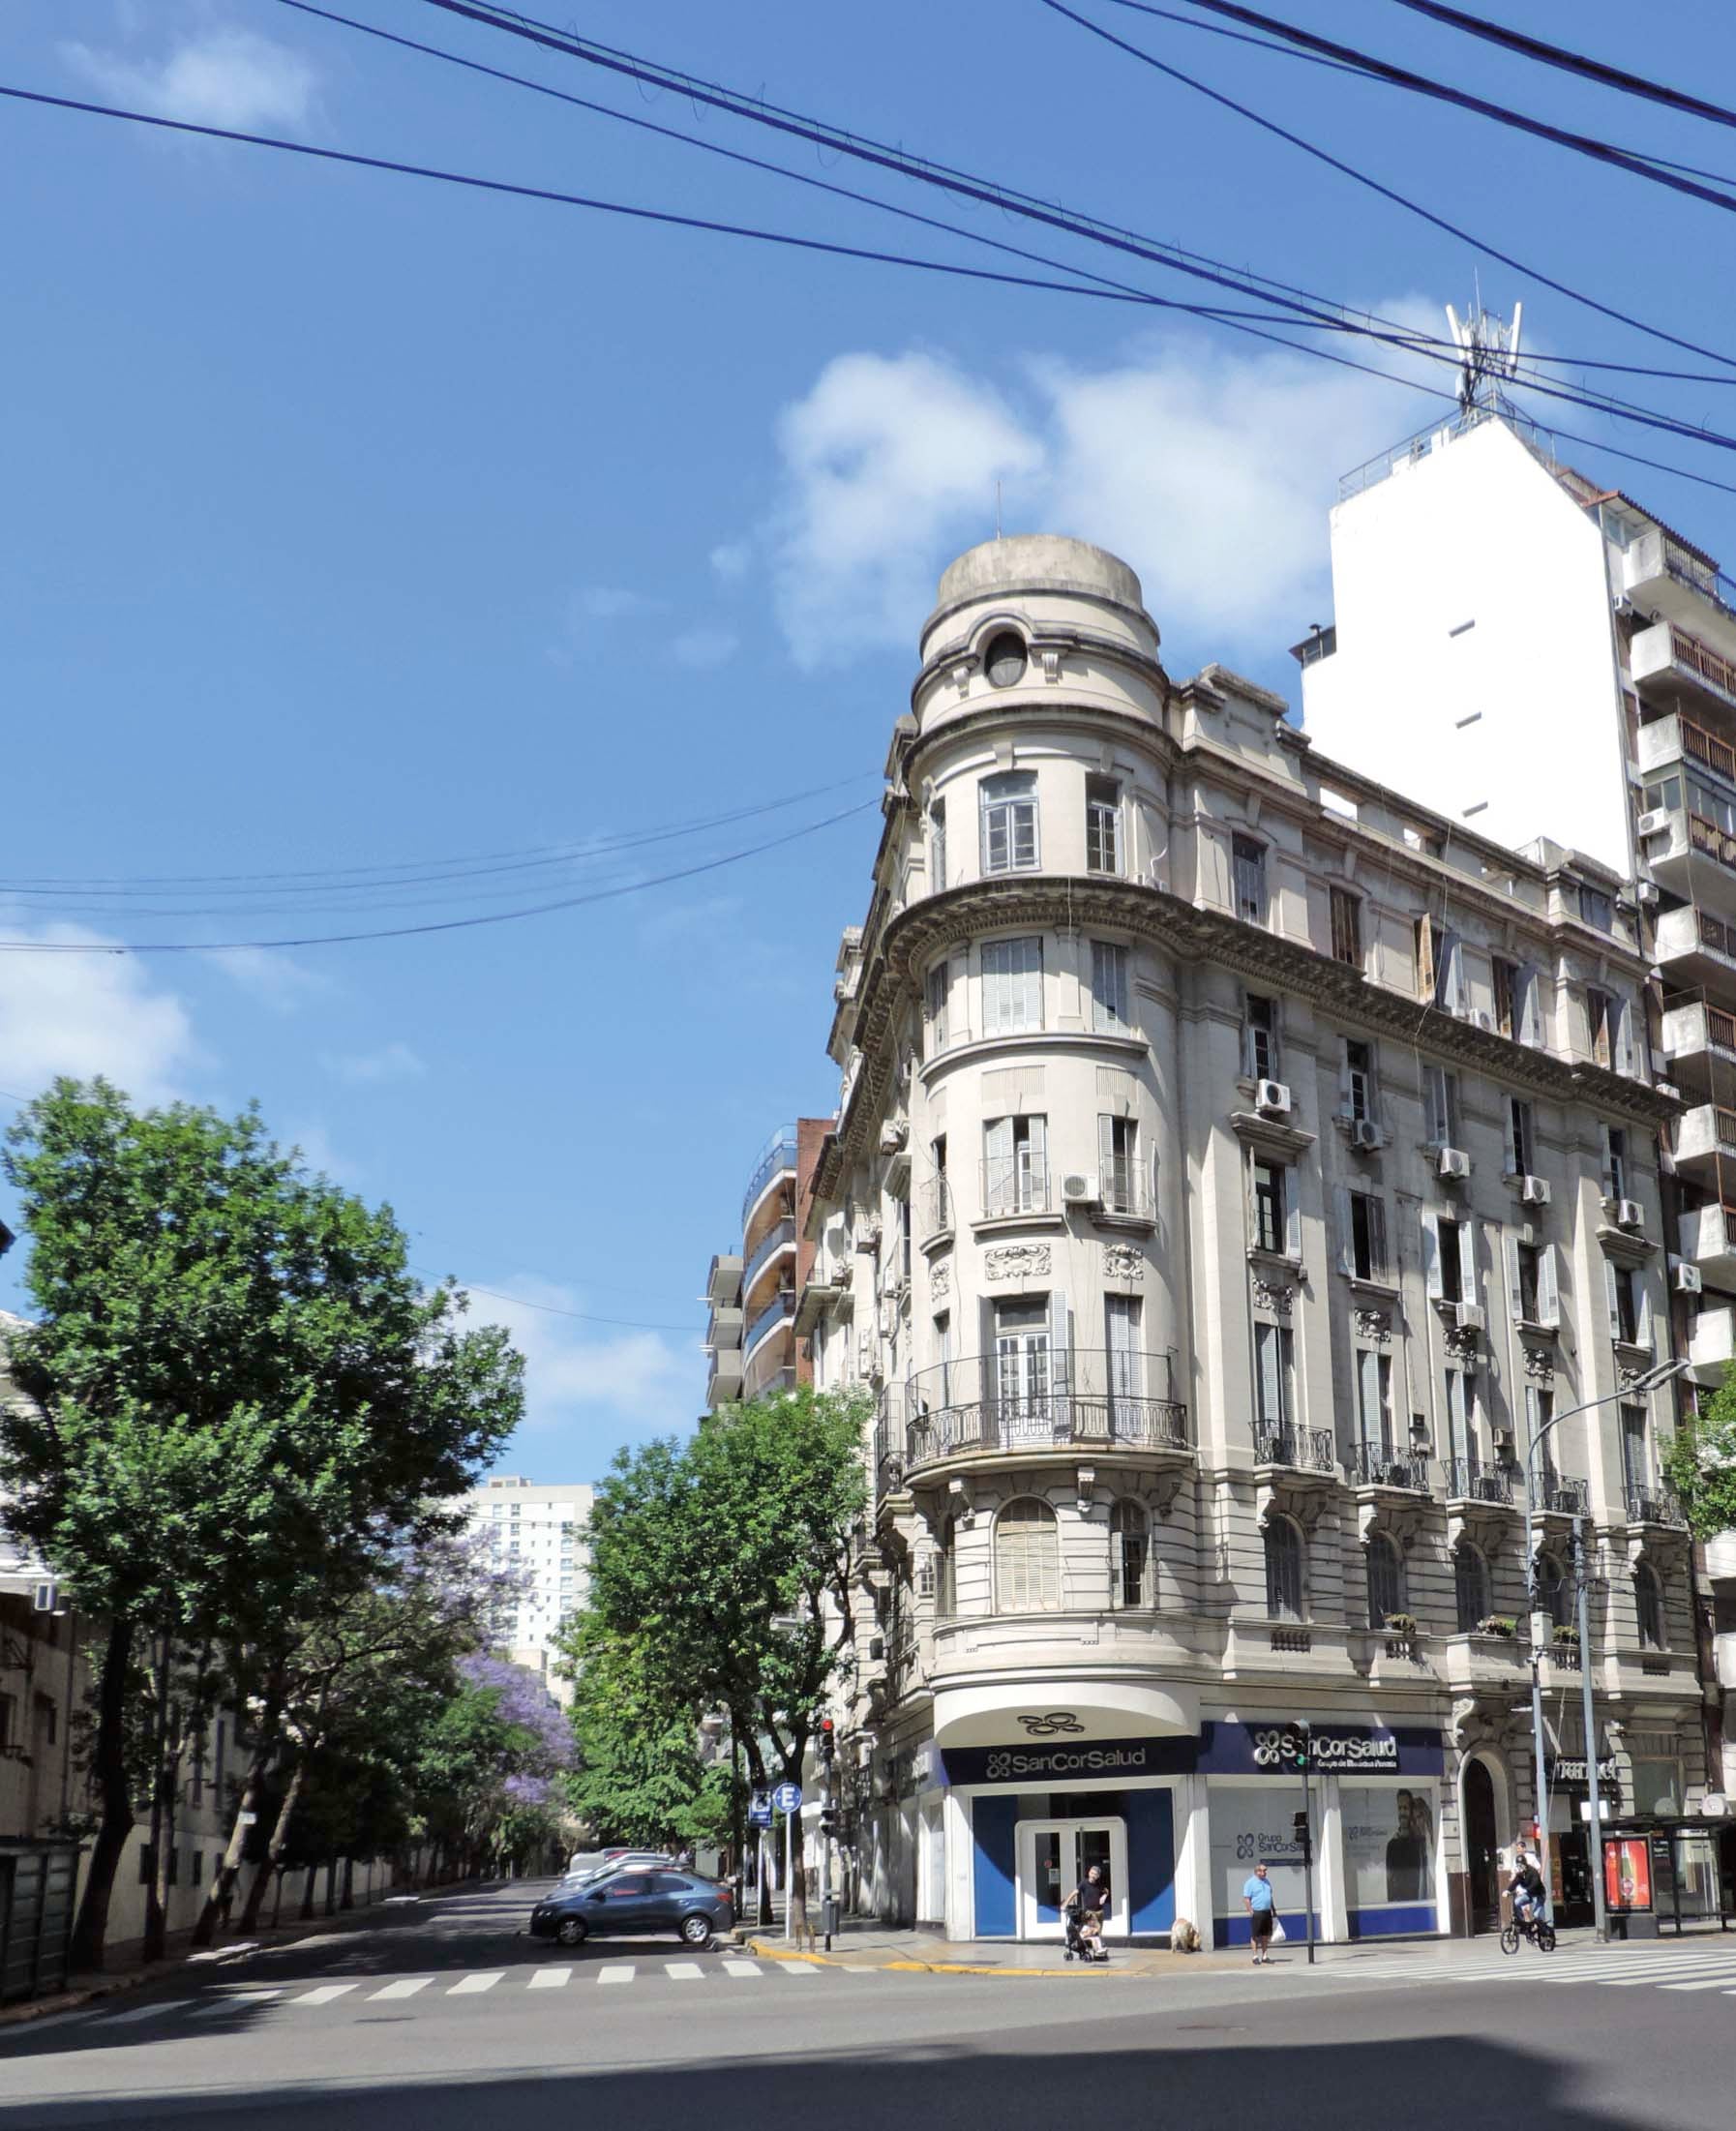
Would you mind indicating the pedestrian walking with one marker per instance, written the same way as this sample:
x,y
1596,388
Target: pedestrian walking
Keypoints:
x,y
1261,1903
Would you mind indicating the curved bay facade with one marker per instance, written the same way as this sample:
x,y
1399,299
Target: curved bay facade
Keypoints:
x,y
1236,1165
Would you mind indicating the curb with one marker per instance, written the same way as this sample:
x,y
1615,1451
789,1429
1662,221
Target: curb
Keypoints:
x,y
766,1952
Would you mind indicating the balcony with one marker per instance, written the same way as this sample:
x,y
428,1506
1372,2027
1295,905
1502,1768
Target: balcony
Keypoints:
x,y
777,1159
1693,948
1470,1479
1705,1137
1371,1466
1696,1036
1664,577
725,1328
1711,1345
780,1310
1472,1662
1671,667
724,1383
1124,1194
934,1210
1296,1449
1559,1497
1654,1502
1666,742
1080,1402
1707,1239
779,1239
722,1284
1014,1184
1691,856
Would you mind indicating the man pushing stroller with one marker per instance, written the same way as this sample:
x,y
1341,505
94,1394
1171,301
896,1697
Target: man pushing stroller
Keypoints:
x,y
1085,1909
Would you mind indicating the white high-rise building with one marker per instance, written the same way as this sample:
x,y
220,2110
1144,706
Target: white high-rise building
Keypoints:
x,y
542,1533
1533,652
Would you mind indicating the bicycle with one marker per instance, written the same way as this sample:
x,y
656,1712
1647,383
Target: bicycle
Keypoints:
x,y
1538,1929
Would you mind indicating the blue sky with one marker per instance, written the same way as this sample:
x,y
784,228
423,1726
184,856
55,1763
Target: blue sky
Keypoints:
x,y
356,520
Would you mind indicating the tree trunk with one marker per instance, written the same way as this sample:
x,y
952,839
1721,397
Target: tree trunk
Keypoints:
x,y
280,1835
307,1894
163,1825
222,1886
347,1901
331,1885
108,1764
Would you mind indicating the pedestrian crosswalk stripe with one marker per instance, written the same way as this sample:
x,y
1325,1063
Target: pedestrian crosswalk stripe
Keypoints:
x,y
146,2012
550,1979
618,1971
742,1968
231,1999
683,1971
469,1984
324,1994
1724,1975
407,1986
796,1967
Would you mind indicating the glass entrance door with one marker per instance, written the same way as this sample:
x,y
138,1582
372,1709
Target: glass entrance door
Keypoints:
x,y
1053,1858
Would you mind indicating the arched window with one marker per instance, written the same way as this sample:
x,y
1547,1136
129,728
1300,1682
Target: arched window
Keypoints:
x,y
1471,1586
1647,1603
1004,659
1283,1570
1129,1554
1385,1578
1027,1558
946,1572
1554,1591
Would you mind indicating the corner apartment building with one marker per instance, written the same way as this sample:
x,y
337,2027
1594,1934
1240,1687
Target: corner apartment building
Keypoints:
x,y
1538,653
1228,1179
540,1534
755,1345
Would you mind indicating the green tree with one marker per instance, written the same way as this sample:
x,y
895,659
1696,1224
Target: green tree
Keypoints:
x,y
640,1778
237,1397
1700,1464
715,1559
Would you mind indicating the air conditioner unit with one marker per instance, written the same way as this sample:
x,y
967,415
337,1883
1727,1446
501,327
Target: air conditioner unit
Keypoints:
x,y
1646,893
1535,1190
1630,1214
1273,1096
1471,1317
1653,822
1078,1189
1481,1019
1450,1162
1365,1132
1687,1279
1504,1438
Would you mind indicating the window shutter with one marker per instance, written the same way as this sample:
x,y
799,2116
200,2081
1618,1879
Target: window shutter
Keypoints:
x,y
1511,1245
1548,1289
1426,957
1266,1360
1292,1212
1510,1140
1531,1012
1059,1343
1342,1221
1625,1059
1106,1177
1377,1236
1470,1284
1344,1109
1431,1256
1615,1308
1643,1325
1368,1389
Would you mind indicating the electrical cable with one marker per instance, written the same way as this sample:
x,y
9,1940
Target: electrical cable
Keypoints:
x,y
1349,170
923,171
549,1309
1570,62
449,924
1636,162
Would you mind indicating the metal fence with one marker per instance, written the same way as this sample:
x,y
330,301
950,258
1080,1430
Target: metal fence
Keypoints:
x,y
37,1884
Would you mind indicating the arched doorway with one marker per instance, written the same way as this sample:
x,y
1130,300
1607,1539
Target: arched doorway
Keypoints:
x,y
1481,1838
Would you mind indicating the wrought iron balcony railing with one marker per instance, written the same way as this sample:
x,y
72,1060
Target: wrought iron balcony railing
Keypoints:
x,y
1302,1450
1038,1399
1375,1466
1470,1479
1654,1505
1014,1184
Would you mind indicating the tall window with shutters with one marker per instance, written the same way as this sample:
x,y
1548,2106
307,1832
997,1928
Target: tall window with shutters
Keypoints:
x,y
1460,1390
1129,1555
1026,1372
1615,1162
1374,1404
1027,1558
1111,991
1533,1290
1009,839
1260,1059
1520,1137
1505,984
1440,1105
1440,965
1648,1606
1600,1025
937,987
1274,1377
1347,926
1386,1579
1630,1305
1636,1451
1362,1235
1247,878
1015,1165
1012,986
1284,1579
937,846
1355,1081
1276,1226
1449,1259
1122,1315
1102,824
1118,1181
1470,1587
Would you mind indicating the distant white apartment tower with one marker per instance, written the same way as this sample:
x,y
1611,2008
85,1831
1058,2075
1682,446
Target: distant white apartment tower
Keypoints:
x,y
1530,651
542,1533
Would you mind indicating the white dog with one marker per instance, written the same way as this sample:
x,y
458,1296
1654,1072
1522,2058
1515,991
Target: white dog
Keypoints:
x,y
1183,1936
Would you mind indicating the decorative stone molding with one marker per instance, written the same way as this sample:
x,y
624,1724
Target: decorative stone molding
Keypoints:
x,y
1016,1261
1273,1295
1400,1521
1123,1262
939,1280
1302,1504
1375,1325
1464,1344
1540,1363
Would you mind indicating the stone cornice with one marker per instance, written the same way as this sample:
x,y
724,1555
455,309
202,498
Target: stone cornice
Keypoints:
x,y
1044,902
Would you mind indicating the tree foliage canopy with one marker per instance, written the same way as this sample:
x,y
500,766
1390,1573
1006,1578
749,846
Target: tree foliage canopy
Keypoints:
x,y
1701,1464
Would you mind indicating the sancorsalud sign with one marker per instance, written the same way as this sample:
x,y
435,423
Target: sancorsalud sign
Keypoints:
x,y
1222,1749
1276,1746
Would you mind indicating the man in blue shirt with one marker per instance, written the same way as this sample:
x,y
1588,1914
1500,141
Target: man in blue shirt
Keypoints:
x,y
1259,1902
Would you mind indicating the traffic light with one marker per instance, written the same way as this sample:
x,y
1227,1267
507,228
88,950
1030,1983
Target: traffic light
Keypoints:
x,y
829,1742
1305,1839
1299,1740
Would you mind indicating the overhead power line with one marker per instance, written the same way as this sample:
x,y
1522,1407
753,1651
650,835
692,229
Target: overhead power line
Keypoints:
x,y
1571,61
1636,162
552,1310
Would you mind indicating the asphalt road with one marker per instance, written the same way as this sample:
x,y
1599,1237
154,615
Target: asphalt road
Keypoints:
x,y
438,2016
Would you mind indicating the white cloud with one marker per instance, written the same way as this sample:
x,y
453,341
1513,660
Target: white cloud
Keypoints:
x,y
220,76
367,1069
648,1382
731,560
703,647
88,1013
313,1143
1211,472
274,978
610,603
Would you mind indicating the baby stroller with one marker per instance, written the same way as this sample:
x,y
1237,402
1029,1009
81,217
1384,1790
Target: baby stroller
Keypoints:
x,y
1080,1946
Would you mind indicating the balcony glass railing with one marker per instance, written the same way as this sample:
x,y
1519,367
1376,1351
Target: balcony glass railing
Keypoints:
x,y
770,1318
1039,1398
778,1238
780,1153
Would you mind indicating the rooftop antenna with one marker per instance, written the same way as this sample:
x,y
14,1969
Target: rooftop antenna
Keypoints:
x,y
1489,355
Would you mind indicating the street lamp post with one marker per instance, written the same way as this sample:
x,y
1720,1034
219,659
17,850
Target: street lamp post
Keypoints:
x,y
1644,1386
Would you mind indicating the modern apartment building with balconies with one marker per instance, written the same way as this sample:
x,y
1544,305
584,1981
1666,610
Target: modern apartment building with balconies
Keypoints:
x,y
752,1292
1225,1189
1540,654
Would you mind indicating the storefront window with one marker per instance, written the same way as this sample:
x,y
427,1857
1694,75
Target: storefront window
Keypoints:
x,y
1250,1826
1658,1787
1389,1844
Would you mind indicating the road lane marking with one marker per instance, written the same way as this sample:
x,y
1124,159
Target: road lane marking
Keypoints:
x,y
147,2012
407,1986
324,1994
1724,1975
468,1984
796,1967
550,1979
683,1971
742,1968
618,1971
231,1999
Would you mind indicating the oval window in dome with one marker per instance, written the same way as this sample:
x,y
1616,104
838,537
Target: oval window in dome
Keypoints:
x,y
1004,659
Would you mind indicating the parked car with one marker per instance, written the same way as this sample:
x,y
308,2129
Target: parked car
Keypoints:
x,y
637,1902
619,1860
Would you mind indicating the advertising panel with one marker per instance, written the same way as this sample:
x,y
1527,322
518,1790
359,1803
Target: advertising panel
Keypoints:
x,y
1626,1872
1255,1824
1389,1844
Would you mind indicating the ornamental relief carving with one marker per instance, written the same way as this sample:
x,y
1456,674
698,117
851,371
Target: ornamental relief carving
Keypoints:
x,y
1540,1364
1273,1295
1123,1262
1016,1261
940,1279
1374,1325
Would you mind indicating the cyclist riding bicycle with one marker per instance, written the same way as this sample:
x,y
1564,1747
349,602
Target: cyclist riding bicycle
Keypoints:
x,y
1527,1889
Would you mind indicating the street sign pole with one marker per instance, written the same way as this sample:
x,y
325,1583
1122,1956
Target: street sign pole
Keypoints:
x,y
1582,1565
788,1879
1304,1735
